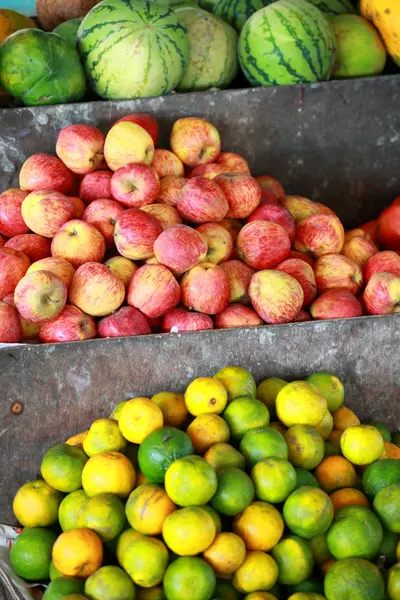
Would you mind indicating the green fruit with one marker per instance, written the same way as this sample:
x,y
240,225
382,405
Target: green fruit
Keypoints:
x,y
103,514
393,582
355,533
383,430
295,560
327,384
263,442
69,30
333,7
304,477
54,573
30,554
63,586
388,547
236,12
104,436
355,579
109,583
309,586
189,577
224,590
380,474
320,550
237,381
41,68
306,446
267,392
274,479
387,507
331,449
70,509
160,449
244,414
62,467
308,512
235,491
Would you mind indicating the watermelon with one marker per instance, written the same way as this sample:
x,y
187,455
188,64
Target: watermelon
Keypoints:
x,y
334,7
236,12
41,68
69,29
133,48
287,42
213,55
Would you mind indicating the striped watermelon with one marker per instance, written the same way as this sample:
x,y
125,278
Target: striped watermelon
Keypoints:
x,y
236,12
213,55
334,7
133,48
285,43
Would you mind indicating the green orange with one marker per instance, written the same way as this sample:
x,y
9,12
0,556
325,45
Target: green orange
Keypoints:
x,y
63,586
30,554
70,508
189,577
380,474
354,578
387,507
263,442
160,449
224,590
124,540
190,481
274,479
244,414
267,392
306,446
355,533
295,560
393,582
304,477
145,560
224,455
383,430
308,512
62,467
237,381
330,387
320,550
388,547
109,583
235,491
103,514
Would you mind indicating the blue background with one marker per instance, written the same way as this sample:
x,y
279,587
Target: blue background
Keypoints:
x,y
28,7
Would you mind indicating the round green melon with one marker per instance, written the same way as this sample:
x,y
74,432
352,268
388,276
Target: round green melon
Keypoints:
x,y
236,12
133,48
334,7
286,43
213,55
69,29
41,68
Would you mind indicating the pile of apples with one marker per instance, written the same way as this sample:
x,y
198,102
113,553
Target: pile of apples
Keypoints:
x,y
113,237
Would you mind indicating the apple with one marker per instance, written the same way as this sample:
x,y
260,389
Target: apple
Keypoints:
x,y
323,209
233,163
45,172
195,141
388,228
299,207
302,256
2,241
10,324
276,296
302,317
155,324
151,261
95,186
333,271
263,245
11,221
30,331
271,185
102,214
336,304
135,233
237,315
382,294
78,242
135,186
276,214
81,148
34,246
239,276
144,120
242,192
170,188
210,171
268,198
40,296
167,215
126,321
71,325
359,249
126,143
96,290
219,242
59,266
205,288
233,226
13,266
167,163
370,228
154,290
382,262
122,267
304,274
180,248
181,319
351,233
44,212
202,200
79,206
320,235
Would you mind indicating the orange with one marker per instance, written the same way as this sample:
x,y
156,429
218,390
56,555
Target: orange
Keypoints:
x,y
226,553
30,553
329,386
224,455
190,481
109,472
173,408
348,497
392,451
335,472
147,508
108,583
325,427
78,553
214,515
139,417
362,444
300,403
244,414
258,572
267,392
207,430
145,560
124,541
36,504
189,578
104,436
334,438
62,467
189,531
319,549
308,512
260,526
205,395
104,514
70,509
344,418
306,446
237,381
355,532
116,413
78,439
295,560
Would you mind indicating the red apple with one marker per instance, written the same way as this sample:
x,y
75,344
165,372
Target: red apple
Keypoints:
x,y
155,324
2,241
154,290
195,141
396,201
30,331
237,315
126,321
170,188
126,143
359,249
102,214
209,171
95,186
11,221
81,148
59,266
165,163
271,185
45,172
239,276
302,317
336,304
13,266
40,296
135,233
135,186
180,248
334,271
320,235
205,288
302,256
299,207
96,290
304,274
10,324
382,294
219,242
263,245
276,296
79,206
370,228
383,262
268,198
388,228
276,214
167,215
71,325
34,246
242,192
144,120
201,201
78,242
180,319
44,212
122,267
233,163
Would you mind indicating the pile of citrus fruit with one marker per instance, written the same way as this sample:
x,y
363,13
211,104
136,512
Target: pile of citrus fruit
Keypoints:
x,y
230,491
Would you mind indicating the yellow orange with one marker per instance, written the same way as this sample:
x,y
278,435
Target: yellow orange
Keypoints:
x,y
109,472
78,439
78,553
348,497
300,403
207,430
173,408
139,417
226,553
189,531
124,541
362,444
205,395
260,526
145,560
36,504
258,572
147,508
335,472
343,418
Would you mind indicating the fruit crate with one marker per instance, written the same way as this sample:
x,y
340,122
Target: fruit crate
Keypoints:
x,y
336,142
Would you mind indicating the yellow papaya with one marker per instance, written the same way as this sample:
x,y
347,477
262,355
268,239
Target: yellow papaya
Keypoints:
x,y
385,15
